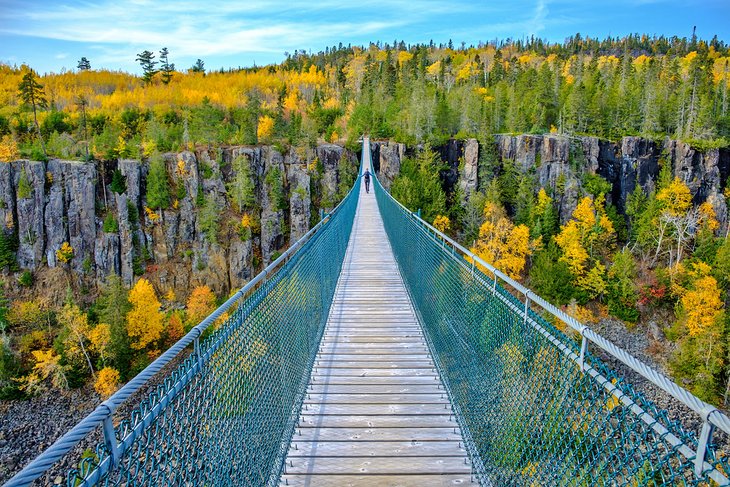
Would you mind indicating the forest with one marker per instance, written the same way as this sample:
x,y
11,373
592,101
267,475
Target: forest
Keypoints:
x,y
662,257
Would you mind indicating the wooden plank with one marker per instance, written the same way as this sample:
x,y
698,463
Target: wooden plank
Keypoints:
x,y
328,371
377,448
377,434
377,421
356,409
316,388
384,356
378,465
376,398
436,480
397,380
374,364
386,340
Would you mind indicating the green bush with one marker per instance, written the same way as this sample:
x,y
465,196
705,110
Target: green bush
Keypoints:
x,y
158,185
110,224
24,188
119,182
26,279
622,294
551,278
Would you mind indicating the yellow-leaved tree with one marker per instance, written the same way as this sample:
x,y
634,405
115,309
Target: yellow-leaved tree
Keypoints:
x,y
101,337
675,227
700,358
144,320
200,304
675,198
107,382
265,128
47,365
501,243
583,240
76,324
8,149
442,223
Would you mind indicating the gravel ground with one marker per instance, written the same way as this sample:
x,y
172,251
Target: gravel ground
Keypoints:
x,y
648,344
29,427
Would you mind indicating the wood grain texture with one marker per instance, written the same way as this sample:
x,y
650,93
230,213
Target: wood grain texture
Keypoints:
x,y
376,413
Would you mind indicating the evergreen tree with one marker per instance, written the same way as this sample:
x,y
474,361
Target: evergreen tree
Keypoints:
x,y
166,68
198,67
146,60
33,96
84,64
119,183
418,185
82,103
158,185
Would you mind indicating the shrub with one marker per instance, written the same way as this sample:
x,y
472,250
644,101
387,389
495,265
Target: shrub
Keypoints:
x,y
107,382
65,253
110,224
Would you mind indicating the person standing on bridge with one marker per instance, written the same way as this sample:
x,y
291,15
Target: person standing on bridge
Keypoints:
x,y
366,176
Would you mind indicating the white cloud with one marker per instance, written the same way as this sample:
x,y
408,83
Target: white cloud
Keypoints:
x,y
537,22
191,29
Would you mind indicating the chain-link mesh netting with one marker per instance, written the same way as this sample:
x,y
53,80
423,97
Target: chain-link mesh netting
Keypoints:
x,y
230,421
529,415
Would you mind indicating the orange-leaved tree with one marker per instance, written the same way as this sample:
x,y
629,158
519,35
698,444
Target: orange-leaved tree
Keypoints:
x,y
200,304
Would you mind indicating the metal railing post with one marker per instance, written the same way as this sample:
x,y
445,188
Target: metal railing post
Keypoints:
x,y
583,349
527,305
110,438
704,440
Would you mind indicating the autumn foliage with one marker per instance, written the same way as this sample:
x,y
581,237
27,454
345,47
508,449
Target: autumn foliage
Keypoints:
x,y
144,320
200,304
107,382
501,243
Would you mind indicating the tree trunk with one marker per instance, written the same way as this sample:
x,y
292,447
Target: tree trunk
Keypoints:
x,y
38,130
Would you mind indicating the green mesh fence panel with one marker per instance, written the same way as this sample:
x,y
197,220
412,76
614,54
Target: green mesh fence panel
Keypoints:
x,y
529,415
230,421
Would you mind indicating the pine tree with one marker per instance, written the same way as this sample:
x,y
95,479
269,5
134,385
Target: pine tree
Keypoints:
x,y
158,185
146,60
84,64
112,307
166,67
33,95
119,183
198,67
241,189
82,103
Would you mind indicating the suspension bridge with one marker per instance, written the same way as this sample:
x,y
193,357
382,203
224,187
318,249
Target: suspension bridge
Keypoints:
x,y
378,351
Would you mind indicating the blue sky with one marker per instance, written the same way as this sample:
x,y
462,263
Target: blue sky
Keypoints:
x,y
52,35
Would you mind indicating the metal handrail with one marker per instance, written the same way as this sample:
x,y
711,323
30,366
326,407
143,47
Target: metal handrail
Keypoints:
x,y
103,413
710,415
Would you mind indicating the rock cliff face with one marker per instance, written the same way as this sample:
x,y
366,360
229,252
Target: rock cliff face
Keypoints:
x,y
387,157
562,162
43,205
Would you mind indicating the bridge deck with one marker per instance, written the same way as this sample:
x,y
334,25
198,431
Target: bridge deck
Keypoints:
x,y
376,413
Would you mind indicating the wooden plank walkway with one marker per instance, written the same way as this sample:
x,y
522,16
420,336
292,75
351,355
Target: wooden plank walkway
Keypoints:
x,y
376,412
